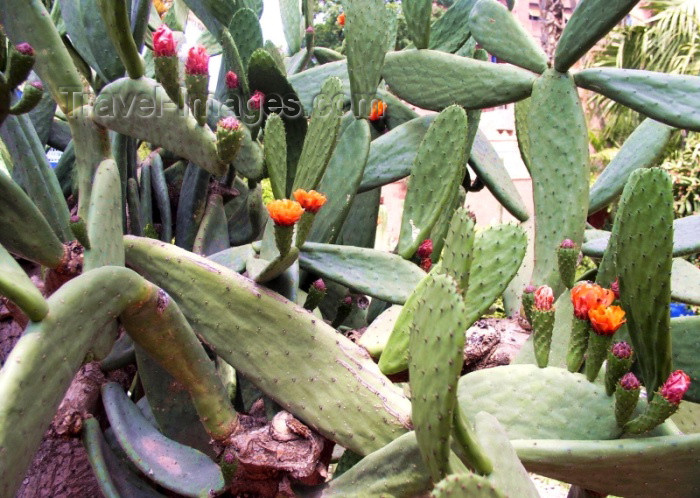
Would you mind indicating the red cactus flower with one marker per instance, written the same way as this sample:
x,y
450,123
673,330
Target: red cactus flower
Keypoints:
x,y
229,123
675,386
163,42
544,298
256,100
25,49
197,61
285,212
425,249
606,321
586,296
378,110
231,80
341,19
311,201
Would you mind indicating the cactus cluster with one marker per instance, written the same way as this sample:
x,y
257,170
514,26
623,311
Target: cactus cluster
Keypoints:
x,y
223,244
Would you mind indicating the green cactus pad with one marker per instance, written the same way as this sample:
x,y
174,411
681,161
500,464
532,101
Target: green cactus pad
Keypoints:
x,y
644,268
377,334
212,236
185,470
165,125
366,40
307,83
685,282
114,477
498,31
104,225
391,155
642,149
246,32
376,273
508,475
160,193
417,14
647,467
341,180
191,204
40,244
32,171
436,348
396,469
522,110
171,405
456,485
559,169
360,227
668,98
239,320
449,32
458,254
86,29
566,406
590,22
686,239
320,136
18,288
442,225
685,337
233,258
453,79
291,24
264,75
325,55
276,155
687,418
438,166
488,165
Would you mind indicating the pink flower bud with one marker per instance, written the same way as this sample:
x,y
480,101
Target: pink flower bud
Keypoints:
x,y
310,30
425,249
229,457
544,298
231,80
675,386
529,289
615,287
568,244
319,285
629,382
426,264
197,61
347,301
622,350
163,42
256,100
229,123
25,49
38,85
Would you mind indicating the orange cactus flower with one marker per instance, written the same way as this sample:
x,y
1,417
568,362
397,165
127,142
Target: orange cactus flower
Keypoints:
x,y
285,212
341,19
606,321
378,110
587,296
311,201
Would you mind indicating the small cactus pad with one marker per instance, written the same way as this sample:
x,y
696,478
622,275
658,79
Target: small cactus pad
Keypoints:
x,y
567,407
439,164
462,485
276,155
647,467
497,30
644,268
377,334
376,273
559,170
469,83
668,98
436,357
18,287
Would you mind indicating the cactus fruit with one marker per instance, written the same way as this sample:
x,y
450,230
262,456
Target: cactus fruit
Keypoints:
x,y
619,362
661,406
542,324
567,254
604,323
229,136
197,82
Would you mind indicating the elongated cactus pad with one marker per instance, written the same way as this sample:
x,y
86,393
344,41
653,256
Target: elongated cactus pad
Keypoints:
x,y
417,13
16,286
453,80
498,31
668,98
276,155
559,169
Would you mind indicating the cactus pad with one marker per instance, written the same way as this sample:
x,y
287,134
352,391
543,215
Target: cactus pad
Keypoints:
x,y
456,485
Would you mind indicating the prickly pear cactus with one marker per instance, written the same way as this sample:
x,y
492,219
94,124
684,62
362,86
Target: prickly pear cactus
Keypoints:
x,y
248,218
